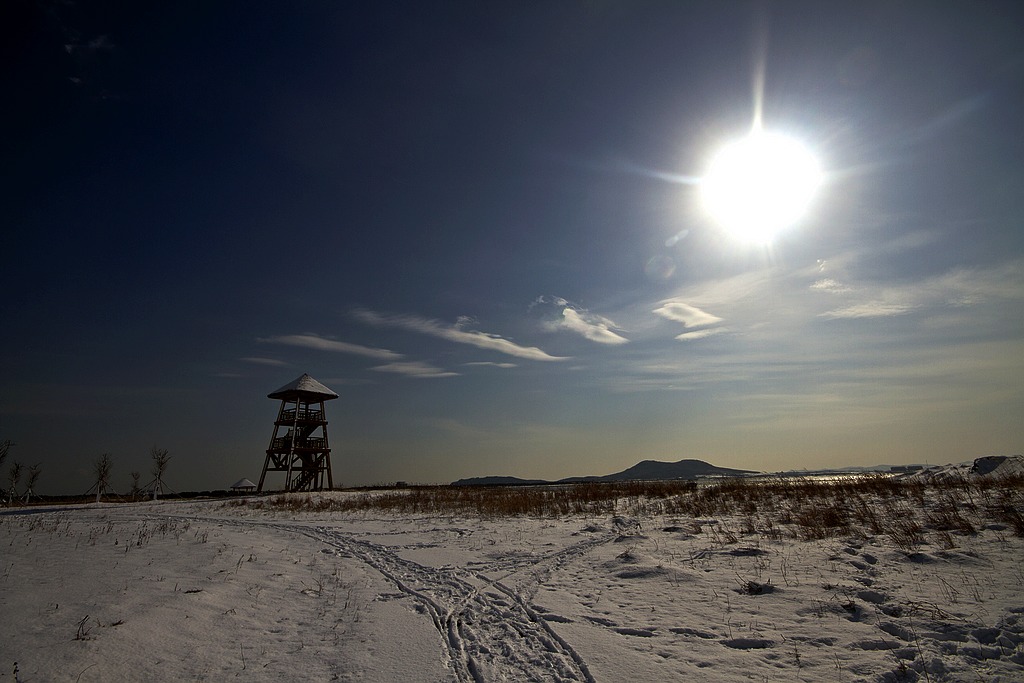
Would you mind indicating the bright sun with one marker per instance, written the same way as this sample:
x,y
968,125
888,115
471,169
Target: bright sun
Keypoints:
x,y
760,185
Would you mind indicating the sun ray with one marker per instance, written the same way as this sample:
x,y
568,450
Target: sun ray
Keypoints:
x,y
758,74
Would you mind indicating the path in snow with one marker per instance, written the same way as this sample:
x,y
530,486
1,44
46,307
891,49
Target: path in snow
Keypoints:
x,y
487,627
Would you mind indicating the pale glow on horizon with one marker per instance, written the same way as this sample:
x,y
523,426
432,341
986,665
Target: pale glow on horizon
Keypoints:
x,y
760,185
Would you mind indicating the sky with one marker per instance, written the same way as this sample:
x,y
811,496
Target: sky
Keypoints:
x,y
481,225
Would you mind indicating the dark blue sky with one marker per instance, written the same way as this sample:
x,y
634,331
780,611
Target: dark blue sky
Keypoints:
x,y
470,220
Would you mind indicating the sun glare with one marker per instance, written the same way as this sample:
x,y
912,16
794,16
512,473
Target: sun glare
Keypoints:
x,y
760,185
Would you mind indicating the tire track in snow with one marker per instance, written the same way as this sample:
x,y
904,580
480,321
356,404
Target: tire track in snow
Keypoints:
x,y
489,630
488,634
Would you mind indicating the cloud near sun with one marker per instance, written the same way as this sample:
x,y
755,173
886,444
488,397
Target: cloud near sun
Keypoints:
x,y
958,288
588,325
454,333
690,317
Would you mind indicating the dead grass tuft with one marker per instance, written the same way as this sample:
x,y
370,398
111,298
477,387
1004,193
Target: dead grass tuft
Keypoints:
x,y
905,510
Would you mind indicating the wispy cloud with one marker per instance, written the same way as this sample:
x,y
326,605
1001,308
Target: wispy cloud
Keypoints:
x,y
830,285
454,333
589,325
492,364
689,316
869,309
417,369
312,341
962,287
266,361
700,334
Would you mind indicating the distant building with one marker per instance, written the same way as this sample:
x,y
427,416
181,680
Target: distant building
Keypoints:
x,y
243,486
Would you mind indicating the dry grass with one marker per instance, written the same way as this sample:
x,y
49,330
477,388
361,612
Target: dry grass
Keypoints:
x,y
906,510
911,512
590,498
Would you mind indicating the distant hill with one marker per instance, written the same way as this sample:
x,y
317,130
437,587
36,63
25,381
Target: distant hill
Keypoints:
x,y
656,469
642,471
498,481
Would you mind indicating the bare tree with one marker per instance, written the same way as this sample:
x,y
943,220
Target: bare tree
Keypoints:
x,y
33,476
160,460
102,468
135,484
13,477
5,448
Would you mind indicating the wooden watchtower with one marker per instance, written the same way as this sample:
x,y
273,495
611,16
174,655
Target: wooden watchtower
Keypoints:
x,y
299,446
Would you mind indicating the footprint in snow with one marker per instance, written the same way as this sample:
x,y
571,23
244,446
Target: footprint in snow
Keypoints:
x,y
692,632
640,632
748,643
875,644
874,597
557,618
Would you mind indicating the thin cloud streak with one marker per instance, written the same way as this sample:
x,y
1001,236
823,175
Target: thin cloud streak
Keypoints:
x,y
266,361
700,334
871,309
830,286
415,369
312,341
453,333
958,288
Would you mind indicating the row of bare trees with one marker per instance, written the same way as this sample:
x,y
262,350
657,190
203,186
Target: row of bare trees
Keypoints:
x,y
102,468
14,475
104,465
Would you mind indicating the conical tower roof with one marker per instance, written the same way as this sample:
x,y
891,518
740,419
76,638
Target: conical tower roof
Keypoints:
x,y
304,387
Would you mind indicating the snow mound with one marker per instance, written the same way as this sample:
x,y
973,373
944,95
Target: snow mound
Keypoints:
x,y
999,465
986,466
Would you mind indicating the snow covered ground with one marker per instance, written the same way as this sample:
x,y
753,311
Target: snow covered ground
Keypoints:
x,y
212,591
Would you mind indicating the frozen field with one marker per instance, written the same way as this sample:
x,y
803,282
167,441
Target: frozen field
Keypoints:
x,y
727,584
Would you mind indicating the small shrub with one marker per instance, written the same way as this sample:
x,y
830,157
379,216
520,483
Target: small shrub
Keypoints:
x,y
1010,514
905,531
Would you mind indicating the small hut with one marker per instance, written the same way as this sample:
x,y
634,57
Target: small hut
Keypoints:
x,y
243,486
299,445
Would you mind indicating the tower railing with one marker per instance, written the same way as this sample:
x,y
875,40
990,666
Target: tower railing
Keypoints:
x,y
302,415
283,443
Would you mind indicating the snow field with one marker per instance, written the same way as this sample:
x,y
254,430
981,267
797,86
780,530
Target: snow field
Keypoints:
x,y
748,591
